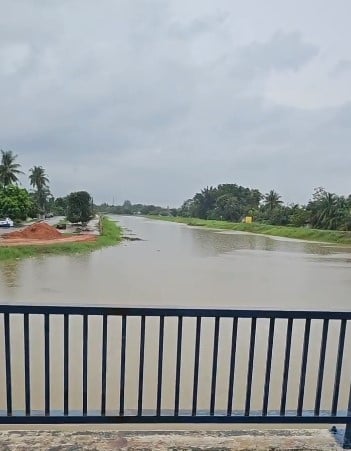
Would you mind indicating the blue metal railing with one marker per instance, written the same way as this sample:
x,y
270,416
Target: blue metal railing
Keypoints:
x,y
177,415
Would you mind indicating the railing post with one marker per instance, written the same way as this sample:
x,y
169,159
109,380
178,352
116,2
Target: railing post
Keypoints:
x,y
347,436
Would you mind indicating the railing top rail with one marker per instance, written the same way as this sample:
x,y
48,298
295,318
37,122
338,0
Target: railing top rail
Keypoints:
x,y
170,311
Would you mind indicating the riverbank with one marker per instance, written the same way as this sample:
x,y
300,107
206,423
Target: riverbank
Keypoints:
x,y
300,233
111,234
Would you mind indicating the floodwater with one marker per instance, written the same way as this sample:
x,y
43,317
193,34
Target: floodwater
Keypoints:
x,y
176,265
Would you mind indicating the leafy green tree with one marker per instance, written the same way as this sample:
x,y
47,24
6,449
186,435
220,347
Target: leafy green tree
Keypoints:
x,y
228,208
15,202
9,169
79,207
60,206
34,210
227,201
299,216
173,211
205,202
50,202
127,207
279,215
187,209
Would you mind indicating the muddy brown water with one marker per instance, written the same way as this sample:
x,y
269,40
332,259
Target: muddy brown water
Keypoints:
x,y
175,265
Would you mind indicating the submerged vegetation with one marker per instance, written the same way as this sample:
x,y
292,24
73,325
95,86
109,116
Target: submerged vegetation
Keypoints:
x,y
111,234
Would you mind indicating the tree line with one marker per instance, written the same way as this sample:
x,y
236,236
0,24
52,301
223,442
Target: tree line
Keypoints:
x,y
18,203
231,202
127,208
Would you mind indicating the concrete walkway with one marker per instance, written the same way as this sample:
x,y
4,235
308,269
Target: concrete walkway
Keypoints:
x,y
272,440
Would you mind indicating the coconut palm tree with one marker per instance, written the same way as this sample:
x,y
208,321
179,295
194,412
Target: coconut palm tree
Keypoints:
x,y
39,180
272,200
9,169
328,211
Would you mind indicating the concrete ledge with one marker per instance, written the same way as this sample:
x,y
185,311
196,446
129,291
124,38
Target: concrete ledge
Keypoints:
x,y
270,440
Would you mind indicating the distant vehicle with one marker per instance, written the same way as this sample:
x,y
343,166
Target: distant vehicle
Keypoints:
x,y
49,215
7,222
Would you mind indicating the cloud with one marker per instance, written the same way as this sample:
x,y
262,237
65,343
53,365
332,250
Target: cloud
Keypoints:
x,y
341,68
144,101
283,51
198,26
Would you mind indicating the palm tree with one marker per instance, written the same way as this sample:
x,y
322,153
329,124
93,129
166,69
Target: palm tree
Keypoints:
x,y
272,200
9,170
328,211
39,180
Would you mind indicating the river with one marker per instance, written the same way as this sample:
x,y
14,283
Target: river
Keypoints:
x,y
176,265
182,266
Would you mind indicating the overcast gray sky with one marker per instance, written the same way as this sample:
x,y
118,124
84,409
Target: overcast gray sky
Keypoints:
x,y
151,100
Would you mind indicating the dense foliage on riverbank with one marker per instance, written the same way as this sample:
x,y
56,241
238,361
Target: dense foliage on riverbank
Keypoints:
x,y
111,234
231,202
19,204
127,208
329,236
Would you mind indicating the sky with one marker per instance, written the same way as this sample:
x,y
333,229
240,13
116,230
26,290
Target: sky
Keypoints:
x,y
152,100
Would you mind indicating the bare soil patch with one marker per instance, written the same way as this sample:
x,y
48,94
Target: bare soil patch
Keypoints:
x,y
41,233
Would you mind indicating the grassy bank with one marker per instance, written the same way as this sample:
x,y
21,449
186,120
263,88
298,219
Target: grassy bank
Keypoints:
x,y
111,234
328,236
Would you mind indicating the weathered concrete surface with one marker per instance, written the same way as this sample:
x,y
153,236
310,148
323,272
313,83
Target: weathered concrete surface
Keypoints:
x,y
272,440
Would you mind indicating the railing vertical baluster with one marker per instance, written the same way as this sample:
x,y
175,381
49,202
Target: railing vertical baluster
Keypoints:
x,y
250,367
338,367
8,364
26,362
141,365
103,365
196,364
47,362
65,362
214,366
232,367
160,366
85,365
306,340
286,366
321,367
178,366
123,365
268,366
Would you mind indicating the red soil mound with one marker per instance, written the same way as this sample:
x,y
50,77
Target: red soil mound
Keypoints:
x,y
37,231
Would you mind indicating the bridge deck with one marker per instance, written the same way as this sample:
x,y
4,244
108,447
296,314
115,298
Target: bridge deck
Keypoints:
x,y
277,439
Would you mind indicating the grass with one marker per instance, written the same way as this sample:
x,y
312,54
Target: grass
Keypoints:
x,y
111,234
301,233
